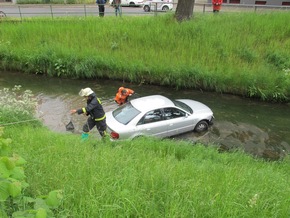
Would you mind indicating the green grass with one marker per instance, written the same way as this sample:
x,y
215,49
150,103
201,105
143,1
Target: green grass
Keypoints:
x,y
243,53
150,178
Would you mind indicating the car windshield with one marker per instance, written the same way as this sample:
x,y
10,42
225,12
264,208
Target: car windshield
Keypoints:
x,y
183,106
125,113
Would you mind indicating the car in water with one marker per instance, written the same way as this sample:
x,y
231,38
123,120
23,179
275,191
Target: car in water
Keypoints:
x,y
157,5
158,116
129,3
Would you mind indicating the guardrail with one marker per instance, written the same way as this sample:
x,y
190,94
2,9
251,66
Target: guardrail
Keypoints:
x,y
55,10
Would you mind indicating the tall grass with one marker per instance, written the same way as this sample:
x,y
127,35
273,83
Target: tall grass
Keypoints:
x,y
245,53
151,178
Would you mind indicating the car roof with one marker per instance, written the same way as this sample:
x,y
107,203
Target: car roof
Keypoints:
x,y
151,102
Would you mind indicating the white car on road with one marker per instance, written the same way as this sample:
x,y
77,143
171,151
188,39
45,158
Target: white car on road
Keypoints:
x,y
130,3
157,5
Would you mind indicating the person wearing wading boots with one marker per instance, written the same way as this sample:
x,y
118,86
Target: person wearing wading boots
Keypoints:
x,y
95,111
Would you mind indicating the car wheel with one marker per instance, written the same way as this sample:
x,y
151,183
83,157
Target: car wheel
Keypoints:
x,y
165,8
146,8
201,126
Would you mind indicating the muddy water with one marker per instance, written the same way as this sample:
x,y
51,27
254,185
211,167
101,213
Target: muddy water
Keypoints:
x,y
259,128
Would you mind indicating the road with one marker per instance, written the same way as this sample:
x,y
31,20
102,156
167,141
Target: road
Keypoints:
x,y
55,10
22,11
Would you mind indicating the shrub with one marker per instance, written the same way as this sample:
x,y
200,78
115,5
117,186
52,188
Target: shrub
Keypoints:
x,y
13,201
15,105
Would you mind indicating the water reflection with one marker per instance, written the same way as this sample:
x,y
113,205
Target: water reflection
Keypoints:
x,y
259,128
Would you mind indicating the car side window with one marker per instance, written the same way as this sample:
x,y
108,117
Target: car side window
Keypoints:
x,y
151,117
171,113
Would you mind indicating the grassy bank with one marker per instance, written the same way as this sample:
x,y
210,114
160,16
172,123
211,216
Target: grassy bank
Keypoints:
x,y
246,53
150,178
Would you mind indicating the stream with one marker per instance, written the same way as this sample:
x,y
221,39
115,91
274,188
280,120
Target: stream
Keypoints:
x,y
258,128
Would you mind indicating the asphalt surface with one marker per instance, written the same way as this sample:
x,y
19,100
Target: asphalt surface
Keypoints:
x,y
22,11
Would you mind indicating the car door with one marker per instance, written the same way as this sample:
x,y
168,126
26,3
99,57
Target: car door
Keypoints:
x,y
178,121
160,5
152,124
157,3
125,2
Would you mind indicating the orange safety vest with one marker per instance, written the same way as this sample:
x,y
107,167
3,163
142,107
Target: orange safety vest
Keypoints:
x,y
122,98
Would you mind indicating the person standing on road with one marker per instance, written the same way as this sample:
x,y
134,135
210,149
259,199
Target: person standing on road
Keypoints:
x,y
216,5
117,5
101,5
95,111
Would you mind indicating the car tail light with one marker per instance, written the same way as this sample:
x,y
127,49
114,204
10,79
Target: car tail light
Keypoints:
x,y
114,135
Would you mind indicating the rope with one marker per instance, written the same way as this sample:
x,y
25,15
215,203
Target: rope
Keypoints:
x,y
24,121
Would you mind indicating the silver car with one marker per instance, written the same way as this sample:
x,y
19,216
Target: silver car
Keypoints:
x,y
130,3
158,116
157,5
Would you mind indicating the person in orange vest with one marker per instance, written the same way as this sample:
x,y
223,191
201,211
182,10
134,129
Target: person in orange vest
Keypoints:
x,y
216,4
122,95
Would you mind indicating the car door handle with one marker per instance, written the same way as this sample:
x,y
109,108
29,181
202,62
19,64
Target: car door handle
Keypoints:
x,y
171,124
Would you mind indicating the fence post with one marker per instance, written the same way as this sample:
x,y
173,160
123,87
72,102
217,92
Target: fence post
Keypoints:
x,y
20,12
51,11
203,8
155,13
85,9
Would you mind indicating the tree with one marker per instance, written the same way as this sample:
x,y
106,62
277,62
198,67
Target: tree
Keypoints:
x,y
184,10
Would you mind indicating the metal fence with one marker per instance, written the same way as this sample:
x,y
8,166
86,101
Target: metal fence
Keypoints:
x,y
52,10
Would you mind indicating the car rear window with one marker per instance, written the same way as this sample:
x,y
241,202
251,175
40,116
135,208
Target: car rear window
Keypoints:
x,y
183,106
125,113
